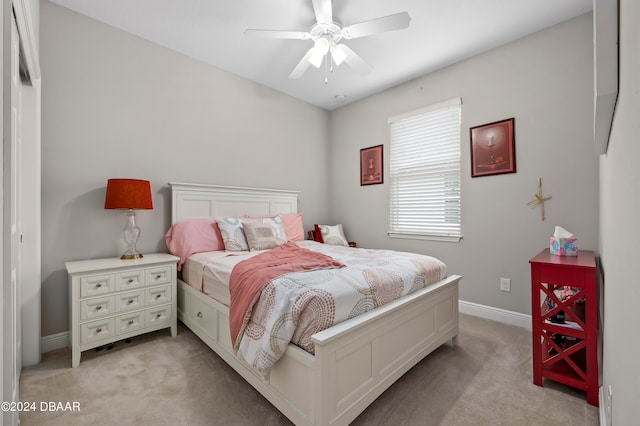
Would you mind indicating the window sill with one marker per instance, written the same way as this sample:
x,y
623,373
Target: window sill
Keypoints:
x,y
444,238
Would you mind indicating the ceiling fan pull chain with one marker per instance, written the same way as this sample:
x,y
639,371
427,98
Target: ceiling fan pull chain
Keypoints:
x,y
326,68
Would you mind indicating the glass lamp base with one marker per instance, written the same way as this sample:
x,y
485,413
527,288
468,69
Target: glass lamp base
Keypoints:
x,y
131,233
131,256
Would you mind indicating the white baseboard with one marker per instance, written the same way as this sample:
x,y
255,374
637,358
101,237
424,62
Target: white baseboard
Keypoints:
x,y
605,414
62,340
55,341
495,314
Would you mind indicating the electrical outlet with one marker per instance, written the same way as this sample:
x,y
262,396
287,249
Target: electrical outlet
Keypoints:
x,y
505,284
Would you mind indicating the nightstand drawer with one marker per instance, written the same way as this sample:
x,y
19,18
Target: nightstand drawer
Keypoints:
x,y
96,307
129,301
158,295
561,276
96,285
129,322
130,280
159,275
96,330
159,315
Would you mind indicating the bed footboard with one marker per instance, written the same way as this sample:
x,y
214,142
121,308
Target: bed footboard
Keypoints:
x,y
355,361
359,359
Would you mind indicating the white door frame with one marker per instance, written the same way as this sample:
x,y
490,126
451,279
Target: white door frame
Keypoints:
x,y
12,348
30,194
20,192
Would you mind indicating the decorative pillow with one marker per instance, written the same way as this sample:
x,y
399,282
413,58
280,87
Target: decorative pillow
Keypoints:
x,y
331,234
193,236
288,227
276,223
232,234
261,235
293,228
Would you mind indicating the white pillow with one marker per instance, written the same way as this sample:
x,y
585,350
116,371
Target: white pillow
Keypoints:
x,y
232,234
333,235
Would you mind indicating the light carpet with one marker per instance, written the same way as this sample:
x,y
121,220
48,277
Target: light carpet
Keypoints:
x,y
159,380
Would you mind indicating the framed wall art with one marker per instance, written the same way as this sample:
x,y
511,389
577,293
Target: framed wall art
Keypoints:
x,y
493,148
371,165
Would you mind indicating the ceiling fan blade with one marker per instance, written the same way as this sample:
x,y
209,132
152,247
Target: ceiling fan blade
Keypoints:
x,y
386,23
323,11
302,66
354,60
295,35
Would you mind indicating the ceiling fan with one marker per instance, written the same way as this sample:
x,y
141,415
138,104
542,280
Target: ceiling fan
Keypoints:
x,y
327,33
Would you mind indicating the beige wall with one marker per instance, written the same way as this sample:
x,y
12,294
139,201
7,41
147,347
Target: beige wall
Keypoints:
x,y
117,106
545,81
620,234
114,105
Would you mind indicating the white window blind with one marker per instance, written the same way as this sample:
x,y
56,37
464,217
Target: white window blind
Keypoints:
x,y
425,173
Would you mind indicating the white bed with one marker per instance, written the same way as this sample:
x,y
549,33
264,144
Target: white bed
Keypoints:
x,y
354,362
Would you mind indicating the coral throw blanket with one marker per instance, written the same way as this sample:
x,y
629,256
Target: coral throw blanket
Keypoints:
x,y
250,276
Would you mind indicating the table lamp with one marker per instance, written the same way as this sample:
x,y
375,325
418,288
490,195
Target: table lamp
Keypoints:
x,y
129,194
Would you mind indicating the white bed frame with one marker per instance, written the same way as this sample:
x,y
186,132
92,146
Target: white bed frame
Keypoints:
x,y
355,361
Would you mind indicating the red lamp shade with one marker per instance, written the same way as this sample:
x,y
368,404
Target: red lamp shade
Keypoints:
x,y
128,194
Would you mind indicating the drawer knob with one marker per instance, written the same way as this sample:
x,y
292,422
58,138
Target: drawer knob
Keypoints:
x,y
130,322
98,307
130,301
199,314
98,330
98,285
158,316
158,296
130,280
158,276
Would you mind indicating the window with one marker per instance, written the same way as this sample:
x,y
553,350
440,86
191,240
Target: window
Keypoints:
x,y
425,173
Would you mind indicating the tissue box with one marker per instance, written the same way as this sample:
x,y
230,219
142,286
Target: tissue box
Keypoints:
x,y
563,246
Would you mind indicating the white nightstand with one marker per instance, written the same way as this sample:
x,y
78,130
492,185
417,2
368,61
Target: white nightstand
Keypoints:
x,y
114,299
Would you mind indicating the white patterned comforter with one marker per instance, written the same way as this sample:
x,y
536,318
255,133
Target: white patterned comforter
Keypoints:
x,y
294,306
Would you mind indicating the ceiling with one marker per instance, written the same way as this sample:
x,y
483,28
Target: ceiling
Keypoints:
x,y
441,33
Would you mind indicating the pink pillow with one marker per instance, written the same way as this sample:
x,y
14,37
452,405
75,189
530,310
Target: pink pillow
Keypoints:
x,y
193,236
293,228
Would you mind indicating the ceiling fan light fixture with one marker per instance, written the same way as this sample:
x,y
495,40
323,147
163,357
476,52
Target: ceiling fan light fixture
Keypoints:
x,y
320,49
322,45
316,59
339,54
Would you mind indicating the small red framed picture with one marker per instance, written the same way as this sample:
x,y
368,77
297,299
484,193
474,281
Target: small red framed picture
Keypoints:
x,y
493,148
371,165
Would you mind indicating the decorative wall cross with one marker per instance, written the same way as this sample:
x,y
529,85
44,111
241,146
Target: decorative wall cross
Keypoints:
x,y
540,199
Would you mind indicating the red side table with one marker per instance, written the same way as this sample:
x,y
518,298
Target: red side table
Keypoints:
x,y
564,320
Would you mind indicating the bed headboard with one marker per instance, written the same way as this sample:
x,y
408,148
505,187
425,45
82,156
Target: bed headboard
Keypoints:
x,y
191,200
